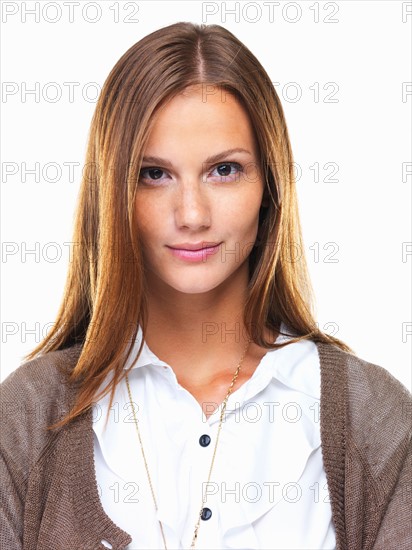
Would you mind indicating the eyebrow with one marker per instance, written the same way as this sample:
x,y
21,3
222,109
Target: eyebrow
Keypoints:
x,y
209,160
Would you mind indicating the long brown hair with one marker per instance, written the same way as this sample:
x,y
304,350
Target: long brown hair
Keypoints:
x,y
104,299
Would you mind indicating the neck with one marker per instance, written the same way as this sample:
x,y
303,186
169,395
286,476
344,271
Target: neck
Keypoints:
x,y
206,330
202,336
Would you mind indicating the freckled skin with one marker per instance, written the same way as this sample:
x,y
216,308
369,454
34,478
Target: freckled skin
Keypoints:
x,y
187,205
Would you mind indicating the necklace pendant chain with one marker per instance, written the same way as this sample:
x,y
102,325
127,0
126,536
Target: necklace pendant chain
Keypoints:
x,y
197,526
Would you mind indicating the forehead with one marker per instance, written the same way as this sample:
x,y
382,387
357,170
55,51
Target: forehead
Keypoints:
x,y
202,113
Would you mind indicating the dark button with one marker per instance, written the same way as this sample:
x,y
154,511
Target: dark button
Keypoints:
x,y
204,440
206,513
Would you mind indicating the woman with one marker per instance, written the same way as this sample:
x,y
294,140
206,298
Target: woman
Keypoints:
x,y
185,397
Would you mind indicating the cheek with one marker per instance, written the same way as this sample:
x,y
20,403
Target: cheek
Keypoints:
x,y
243,215
147,222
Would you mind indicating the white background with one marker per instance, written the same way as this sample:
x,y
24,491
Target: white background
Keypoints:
x,y
361,61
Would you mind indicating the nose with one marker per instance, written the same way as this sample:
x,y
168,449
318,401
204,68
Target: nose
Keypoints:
x,y
192,206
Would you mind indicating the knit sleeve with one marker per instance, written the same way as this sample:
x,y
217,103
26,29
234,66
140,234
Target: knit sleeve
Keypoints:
x,y
32,397
378,484
396,527
13,462
11,508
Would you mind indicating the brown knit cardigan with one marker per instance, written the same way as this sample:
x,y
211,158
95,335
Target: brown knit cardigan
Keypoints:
x,y
49,493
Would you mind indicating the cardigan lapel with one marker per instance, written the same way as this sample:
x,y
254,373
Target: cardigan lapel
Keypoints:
x,y
333,410
90,514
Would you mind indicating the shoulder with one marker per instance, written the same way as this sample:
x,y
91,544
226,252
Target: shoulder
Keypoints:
x,y
379,419
41,378
32,397
377,407
367,384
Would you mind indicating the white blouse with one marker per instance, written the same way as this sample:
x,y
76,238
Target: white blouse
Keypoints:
x,y
268,487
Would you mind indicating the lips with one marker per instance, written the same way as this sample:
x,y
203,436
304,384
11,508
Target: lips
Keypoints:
x,y
194,246
194,252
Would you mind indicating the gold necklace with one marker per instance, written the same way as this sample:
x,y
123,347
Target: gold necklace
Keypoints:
x,y
214,451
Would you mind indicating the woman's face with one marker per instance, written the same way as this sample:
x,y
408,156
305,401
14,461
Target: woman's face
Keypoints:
x,y
199,188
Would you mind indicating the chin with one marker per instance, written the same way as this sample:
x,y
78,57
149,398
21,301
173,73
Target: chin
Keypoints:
x,y
194,285
191,281
194,288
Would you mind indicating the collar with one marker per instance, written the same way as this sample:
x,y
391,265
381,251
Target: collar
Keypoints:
x,y
287,366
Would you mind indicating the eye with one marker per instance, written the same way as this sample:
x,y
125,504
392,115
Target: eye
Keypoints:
x,y
228,170
151,174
